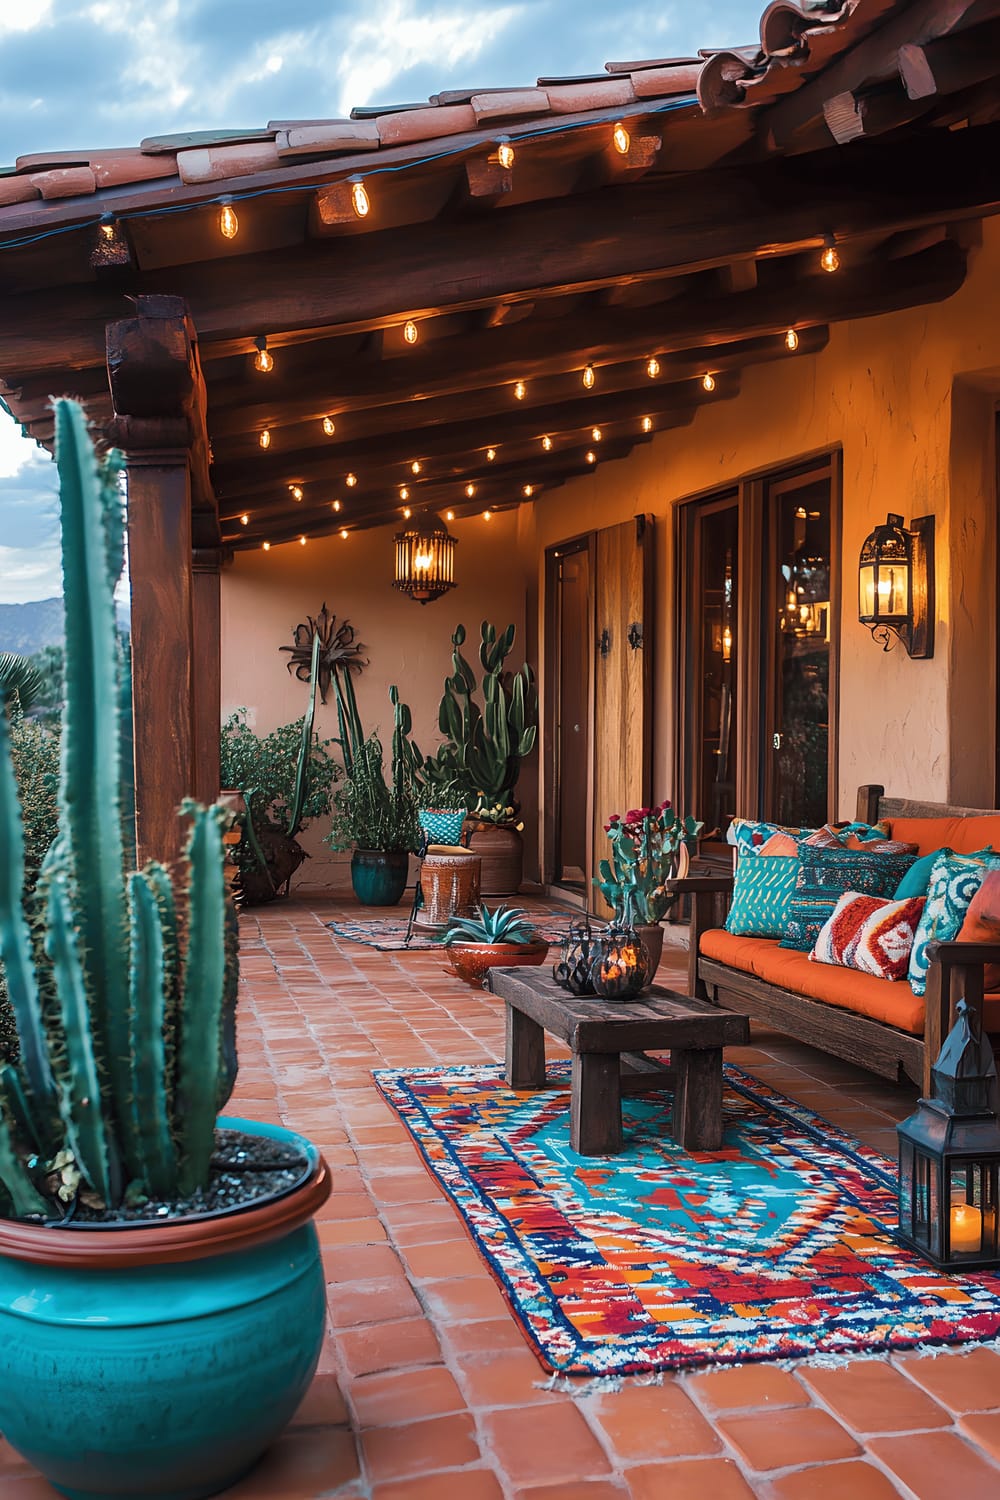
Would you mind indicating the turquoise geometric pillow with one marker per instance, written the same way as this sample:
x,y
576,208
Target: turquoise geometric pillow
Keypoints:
x,y
824,876
955,879
761,896
917,879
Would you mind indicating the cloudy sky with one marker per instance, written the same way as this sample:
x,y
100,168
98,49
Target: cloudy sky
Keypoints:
x,y
108,73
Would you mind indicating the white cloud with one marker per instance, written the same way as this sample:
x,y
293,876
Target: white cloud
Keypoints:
x,y
29,573
15,450
24,15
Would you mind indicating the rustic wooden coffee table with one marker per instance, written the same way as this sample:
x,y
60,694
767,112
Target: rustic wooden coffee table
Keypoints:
x,y
608,1041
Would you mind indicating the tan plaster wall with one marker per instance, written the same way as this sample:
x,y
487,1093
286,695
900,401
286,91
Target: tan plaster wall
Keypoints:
x,y
265,594
909,398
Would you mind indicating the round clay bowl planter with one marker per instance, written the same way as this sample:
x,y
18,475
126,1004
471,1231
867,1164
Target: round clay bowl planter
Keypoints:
x,y
502,852
379,875
473,961
161,1360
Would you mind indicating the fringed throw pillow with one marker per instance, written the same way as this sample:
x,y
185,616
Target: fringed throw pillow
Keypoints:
x,y
870,934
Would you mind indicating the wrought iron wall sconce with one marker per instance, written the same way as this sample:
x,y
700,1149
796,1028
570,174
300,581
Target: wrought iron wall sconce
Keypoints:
x,y
896,584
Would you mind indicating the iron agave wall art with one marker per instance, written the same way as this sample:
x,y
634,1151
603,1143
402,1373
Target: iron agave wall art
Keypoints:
x,y
339,650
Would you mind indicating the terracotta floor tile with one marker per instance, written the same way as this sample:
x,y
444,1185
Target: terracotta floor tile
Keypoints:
x,y
389,1346
870,1395
576,1489
394,1396
437,1262
323,1404
782,1439
936,1465
463,1484
747,1386
401,1452
503,1377
354,1302
965,1381
307,1461
465,1298
690,1479
984,1430
359,1263
487,1337
536,1444
350,1232
851,1481
653,1421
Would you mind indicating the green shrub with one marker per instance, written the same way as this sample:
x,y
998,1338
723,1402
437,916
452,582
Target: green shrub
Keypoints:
x,y
264,768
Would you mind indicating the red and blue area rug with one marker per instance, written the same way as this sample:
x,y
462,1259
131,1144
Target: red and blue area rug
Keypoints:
x,y
778,1246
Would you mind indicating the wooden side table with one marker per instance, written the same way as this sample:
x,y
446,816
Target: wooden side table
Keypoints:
x,y
608,1041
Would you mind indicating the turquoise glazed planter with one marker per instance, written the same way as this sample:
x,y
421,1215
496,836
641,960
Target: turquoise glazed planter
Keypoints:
x,y
167,1376
379,876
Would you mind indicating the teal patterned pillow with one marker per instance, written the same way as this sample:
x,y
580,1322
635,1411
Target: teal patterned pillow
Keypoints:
x,y
761,895
955,879
824,876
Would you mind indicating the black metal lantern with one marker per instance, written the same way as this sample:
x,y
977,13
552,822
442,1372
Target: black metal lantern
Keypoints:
x,y
896,584
949,1157
425,560
572,971
621,967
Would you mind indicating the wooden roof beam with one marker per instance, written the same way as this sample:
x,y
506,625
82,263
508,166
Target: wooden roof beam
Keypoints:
x,y
849,117
950,63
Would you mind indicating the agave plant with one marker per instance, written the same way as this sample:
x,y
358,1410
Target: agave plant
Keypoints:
x,y
505,924
123,988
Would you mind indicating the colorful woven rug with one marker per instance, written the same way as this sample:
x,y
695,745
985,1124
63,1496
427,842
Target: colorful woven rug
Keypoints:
x,y
779,1245
388,934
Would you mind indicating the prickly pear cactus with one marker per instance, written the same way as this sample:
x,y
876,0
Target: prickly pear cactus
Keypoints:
x,y
123,987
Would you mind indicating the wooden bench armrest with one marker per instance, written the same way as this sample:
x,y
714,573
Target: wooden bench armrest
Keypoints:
x,y
695,885
710,898
955,972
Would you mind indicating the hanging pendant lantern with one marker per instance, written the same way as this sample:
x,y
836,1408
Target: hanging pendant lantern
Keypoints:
x,y
425,559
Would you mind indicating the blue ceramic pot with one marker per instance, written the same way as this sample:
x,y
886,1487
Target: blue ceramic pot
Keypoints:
x,y
163,1378
379,876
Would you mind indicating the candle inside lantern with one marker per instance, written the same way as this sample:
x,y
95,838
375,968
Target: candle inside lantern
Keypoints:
x,y
966,1228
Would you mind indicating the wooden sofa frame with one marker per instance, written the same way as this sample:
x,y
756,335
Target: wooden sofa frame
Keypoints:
x,y
956,971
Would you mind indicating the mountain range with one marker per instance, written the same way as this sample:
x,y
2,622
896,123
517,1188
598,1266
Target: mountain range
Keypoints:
x,y
26,628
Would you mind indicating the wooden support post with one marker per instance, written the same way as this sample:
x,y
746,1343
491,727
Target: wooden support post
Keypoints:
x,y
697,1116
595,1121
206,686
525,1051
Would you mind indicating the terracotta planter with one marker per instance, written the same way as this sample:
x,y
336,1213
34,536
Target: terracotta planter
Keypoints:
x,y
501,849
282,855
174,1354
473,961
651,934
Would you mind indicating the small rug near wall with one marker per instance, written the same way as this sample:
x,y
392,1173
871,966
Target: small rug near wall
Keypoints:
x,y
388,934
777,1246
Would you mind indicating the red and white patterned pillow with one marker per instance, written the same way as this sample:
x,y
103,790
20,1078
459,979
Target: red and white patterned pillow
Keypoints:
x,y
870,934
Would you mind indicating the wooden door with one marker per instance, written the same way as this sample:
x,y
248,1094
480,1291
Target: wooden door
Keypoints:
x,y
623,673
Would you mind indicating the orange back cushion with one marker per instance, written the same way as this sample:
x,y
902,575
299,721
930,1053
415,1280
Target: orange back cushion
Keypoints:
x,y
982,922
964,835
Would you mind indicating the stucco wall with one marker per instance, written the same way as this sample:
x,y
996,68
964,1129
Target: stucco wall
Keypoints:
x,y
909,398
265,594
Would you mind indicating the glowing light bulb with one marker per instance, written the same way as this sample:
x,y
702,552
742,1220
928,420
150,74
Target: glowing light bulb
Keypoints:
x,y
415,466
404,493
351,481
520,391
791,339
264,362
547,443
830,259
470,490
302,541
596,434
329,426
591,456
336,505
487,515
708,381
407,512
505,155
647,424
449,515
244,519
491,454
266,546
589,378
527,491
295,490
622,139
264,438
410,331
652,367
108,228
360,201
343,536
229,224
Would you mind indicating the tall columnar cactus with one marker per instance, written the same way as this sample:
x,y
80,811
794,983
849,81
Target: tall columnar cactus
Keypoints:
x,y
489,743
123,989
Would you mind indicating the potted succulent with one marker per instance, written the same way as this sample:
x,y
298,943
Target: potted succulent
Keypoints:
x,y
649,847
161,1291
378,821
502,938
441,792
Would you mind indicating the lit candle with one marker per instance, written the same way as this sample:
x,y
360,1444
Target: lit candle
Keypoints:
x,y
966,1227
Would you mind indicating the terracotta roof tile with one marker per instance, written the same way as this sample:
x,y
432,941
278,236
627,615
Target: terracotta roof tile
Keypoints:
x,y
657,62
666,82
426,124
599,93
216,163
507,103
17,190
64,182
330,135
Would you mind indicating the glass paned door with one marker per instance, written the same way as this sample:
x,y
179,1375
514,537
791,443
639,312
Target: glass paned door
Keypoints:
x,y
711,653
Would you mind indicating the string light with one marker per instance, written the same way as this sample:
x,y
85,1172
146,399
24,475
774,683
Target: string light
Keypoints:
x,y
487,515
708,381
505,154
343,536
336,505
591,456
244,519
295,490
264,362
652,367
404,493
647,424
527,491
229,224
407,512
302,541
830,259
351,481
449,515
791,339
491,454
415,466
520,391
596,434
410,331
589,378
470,490
329,426
622,139
360,201
547,443
266,546
264,437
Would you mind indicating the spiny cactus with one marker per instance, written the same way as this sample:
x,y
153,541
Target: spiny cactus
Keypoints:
x,y
123,989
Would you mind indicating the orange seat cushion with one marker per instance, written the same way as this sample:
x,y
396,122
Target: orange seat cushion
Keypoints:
x,y
886,1000
964,835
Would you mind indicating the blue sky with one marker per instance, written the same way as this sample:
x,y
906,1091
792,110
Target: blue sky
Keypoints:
x,y
76,75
